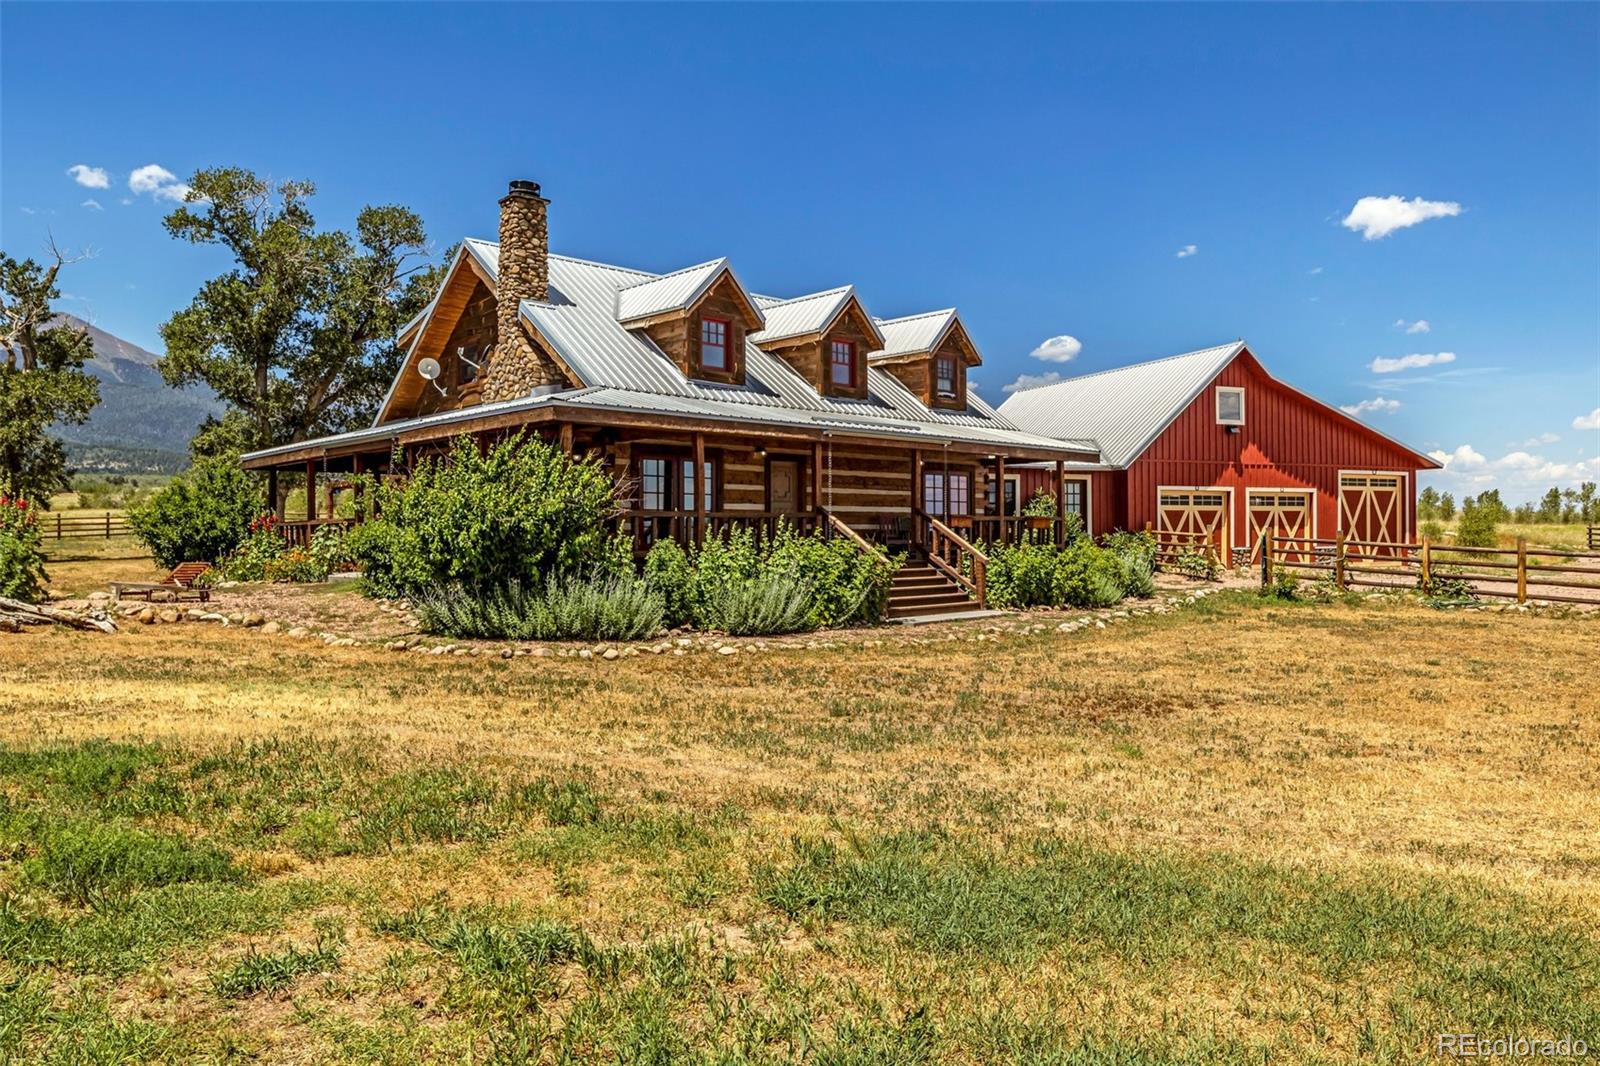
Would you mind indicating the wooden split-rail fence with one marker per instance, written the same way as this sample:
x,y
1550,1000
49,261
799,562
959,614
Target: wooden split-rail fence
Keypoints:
x,y
1556,575
60,526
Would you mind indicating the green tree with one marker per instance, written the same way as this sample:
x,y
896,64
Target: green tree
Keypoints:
x,y
1588,504
202,515
1447,507
1549,509
298,337
1428,503
42,381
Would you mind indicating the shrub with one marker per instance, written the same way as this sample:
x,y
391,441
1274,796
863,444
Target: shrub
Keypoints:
x,y
1432,529
768,603
1196,564
1478,527
1285,584
1136,552
602,608
22,575
522,512
668,573
1086,576
296,565
721,562
848,586
202,515
329,551
1040,505
260,547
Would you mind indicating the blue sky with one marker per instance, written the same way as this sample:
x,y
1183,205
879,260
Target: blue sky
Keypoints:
x,y
1039,167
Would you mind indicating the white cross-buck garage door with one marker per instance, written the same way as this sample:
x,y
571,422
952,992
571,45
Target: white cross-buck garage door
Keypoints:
x,y
1195,516
1281,514
1372,510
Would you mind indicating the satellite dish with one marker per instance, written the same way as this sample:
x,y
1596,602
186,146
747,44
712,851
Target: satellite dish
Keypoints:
x,y
429,369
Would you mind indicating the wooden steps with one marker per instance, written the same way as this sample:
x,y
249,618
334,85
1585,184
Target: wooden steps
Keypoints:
x,y
919,589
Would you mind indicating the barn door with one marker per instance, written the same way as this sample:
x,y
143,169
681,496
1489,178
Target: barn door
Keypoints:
x,y
1200,515
1280,514
1372,511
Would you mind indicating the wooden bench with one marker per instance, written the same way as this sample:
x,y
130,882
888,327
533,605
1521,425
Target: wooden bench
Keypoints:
x,y
179,582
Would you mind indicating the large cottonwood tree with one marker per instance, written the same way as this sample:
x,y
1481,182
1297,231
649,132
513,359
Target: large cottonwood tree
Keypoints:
x,y
42,380
298,336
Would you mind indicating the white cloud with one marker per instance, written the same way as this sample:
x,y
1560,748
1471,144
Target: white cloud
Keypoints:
x,y
1588,421
159,182
1061,349
1419,326
90,177
27,210
1378,404
1410,362
1315,270
1033,381
1534,442
1463,458
1186,251
1378,216
92,204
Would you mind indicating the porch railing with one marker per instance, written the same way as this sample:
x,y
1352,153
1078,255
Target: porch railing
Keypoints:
x,y
645,527
1013,529
299,533
954,556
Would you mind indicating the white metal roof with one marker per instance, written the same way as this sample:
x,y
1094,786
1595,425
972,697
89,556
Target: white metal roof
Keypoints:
x,y
1122,410
804,315
620,367
669,292
914,333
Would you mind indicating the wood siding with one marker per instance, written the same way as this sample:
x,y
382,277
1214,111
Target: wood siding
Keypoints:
x,y
679,335
811,358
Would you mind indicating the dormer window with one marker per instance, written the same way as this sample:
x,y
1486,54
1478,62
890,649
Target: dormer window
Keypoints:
x,y
714,344
1230,406
842,360
944,368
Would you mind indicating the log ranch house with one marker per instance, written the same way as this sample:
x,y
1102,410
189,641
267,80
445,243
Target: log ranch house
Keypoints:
x,y
720,407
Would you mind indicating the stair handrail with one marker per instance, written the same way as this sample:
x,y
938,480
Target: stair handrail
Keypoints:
x,y
944,541
838,525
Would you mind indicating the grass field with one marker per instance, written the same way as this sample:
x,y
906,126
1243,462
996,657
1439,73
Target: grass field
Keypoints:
x,y
1246,832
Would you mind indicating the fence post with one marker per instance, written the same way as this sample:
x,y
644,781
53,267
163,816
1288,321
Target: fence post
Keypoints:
x,y
108,525
58,525
1266,558
1522,570
1338,560
1427,564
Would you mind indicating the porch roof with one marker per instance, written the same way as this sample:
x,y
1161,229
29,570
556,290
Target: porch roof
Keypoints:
x,y
607,405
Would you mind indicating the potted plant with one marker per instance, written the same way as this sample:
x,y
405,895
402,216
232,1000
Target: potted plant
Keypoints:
x,y
1040,511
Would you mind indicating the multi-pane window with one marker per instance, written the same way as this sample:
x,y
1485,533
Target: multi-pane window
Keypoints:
x,y
708,484
842,358
1010,498
943,496
655,484
945,375
713,344
1072,492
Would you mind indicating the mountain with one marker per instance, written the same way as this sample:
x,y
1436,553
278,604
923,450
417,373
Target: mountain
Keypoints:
x,y
140,425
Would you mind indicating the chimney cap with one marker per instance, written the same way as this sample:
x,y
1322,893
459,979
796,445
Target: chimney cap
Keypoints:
x,y
523,188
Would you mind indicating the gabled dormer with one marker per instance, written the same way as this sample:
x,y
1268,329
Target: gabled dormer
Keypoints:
x,y
929,354
825,338
699,317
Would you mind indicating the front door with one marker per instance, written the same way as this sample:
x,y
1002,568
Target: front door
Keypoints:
x,y
783,486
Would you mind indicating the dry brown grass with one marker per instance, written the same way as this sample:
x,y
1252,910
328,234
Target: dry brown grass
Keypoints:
x,y
1381,739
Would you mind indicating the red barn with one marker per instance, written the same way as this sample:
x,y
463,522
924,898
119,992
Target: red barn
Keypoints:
x,y
1211,443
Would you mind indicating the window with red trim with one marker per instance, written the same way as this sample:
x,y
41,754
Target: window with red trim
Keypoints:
x,y
713,344
842,357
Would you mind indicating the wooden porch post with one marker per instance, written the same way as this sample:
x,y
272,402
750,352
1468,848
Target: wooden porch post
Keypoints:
x,y
273,504
699,487
566,438
355,468
311,490
1061,502
1000,498
817,461
916,494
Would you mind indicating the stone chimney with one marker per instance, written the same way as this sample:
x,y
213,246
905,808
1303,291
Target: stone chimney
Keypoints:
x,y
517,367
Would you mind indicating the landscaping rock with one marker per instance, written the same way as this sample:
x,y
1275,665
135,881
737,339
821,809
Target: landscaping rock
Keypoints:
x,y
252,619
146,614
727,649
168,615
271,627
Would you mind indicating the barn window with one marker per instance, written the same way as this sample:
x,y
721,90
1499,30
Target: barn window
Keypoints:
x,y
1230,406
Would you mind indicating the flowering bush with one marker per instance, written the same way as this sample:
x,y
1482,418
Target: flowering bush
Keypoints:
x,y
22,575
260,547
296,565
